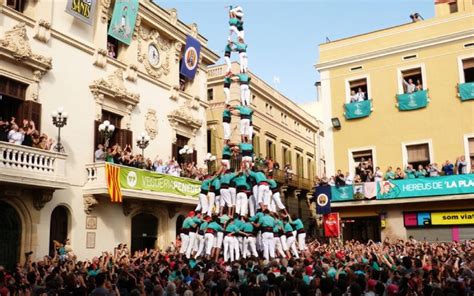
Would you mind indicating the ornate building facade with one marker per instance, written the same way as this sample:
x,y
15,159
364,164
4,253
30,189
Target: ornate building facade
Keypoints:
x,y
50,59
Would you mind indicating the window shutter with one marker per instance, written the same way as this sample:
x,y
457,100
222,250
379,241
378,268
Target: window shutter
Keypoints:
x,y
195,156
273,151
213,142
471,146
174,151
125,138
32,111
468,63
418,153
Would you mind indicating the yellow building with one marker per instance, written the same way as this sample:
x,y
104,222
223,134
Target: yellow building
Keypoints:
x,y
282,131
395,129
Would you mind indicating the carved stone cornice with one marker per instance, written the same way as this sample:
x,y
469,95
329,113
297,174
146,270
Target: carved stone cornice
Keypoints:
x,y
89,203
113,87
100,57
142,206
15,45
164,47
183,116
41,197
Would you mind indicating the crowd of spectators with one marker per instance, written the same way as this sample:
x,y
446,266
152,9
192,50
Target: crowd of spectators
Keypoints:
x,y
24,134
334,268
365,172
124,156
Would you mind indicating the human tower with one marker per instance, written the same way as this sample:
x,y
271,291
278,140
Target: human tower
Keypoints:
x,y
240,213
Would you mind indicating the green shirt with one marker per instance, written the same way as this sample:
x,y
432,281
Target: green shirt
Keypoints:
x,y
226,151
188,223
243,77
267,221
224,219
410,174
272,183
241,181
298,224
257,217
246,147
225,178
227,49
215,226
238,223
258,176
203,226
231,228
240,47
233,21
420,174
205,184
216,183
227,80
244,110
247,227
389,175
288,227
226,113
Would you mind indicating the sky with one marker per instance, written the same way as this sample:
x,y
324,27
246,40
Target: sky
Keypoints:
x,y
283,35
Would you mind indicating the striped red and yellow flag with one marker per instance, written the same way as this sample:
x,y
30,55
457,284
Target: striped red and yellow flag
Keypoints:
x,y
112,174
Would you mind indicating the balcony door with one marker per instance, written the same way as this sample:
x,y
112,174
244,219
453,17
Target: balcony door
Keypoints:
x,y
181,141
10,236
58,228
144,232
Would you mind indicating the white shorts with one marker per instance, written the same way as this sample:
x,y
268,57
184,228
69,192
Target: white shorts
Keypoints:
x,y
244,126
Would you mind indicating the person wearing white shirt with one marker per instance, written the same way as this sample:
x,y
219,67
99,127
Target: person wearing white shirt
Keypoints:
x,y
15,136
409,86
354,98
378,175
360,95
349,179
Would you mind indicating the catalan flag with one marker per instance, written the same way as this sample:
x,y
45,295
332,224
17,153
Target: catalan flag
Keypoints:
x,y
112,174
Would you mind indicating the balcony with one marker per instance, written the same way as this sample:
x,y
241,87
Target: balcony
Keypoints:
x,y
413,101
141,184
454,187
358,109
32,167
295,181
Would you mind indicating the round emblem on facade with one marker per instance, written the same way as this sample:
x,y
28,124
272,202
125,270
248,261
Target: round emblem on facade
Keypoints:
x,y
322,200
191,58
132,179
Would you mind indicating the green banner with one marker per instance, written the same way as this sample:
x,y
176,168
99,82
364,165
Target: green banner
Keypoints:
x,y
131,178
358,109
408,188
466,91
413,101
123,20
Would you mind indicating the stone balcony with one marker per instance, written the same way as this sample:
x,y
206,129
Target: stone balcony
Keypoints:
x,y
31,167
157,187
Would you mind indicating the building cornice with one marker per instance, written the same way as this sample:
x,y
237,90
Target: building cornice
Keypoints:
x,y
429,199
396,49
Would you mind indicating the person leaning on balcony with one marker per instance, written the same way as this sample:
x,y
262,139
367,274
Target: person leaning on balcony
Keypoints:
x,y
433,170
349,179
410,172
421,172
461,165
99,154
409,86
28,128
448,168
4,129
399,174
354,98
389,174
340,179
15,136
361,95
419,86
378,176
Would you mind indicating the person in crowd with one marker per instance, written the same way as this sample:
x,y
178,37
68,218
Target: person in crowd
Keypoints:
x,y
409,86
4,129
461,165
340,178
378,176
15,135
433,170
448,168
348,179
419,86
389,174
99,154
28,129
410,172
420,172
354,97
357,179
399,174
361,95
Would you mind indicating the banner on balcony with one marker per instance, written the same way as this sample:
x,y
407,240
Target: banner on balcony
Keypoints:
x,y
123,20
82,9
332,225
322,196
358,109
112,174
131,178
466,91
341,193
413,101
190,60
445,185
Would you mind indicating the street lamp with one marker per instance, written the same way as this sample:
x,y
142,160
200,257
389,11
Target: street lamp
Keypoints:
x,y
142,142
107,130
186,152
59,120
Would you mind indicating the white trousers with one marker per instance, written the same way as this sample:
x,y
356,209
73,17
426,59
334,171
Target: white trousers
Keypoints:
x,y
226,198
184,243
227,95
268,245
209,239
218,240
250,133
277,199
231,248
244,94
250,247
211,200
280,248
227,132
228,63
192,237
241,204
201,242
244,62
203,204
291,245
233,194
302,241
233,30
252,205
244,126
264,195
226,163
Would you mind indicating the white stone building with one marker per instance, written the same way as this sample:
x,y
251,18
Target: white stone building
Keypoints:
x,y
48,59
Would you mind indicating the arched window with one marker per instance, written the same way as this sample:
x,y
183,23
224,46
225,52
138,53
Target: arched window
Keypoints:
x,y
10,236
58,227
